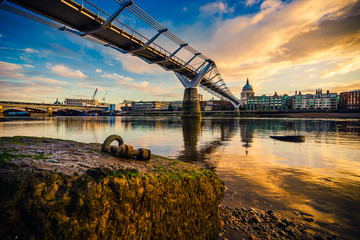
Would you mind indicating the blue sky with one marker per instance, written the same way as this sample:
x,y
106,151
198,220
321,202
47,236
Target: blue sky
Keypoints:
x,y
281,46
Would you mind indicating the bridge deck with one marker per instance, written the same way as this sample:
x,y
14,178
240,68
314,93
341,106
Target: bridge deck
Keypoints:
x,y
74,15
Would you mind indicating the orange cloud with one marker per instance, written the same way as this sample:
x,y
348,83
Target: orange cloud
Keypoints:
x,y
285,35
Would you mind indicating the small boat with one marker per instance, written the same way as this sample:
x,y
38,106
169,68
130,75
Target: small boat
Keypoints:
x,y
289,138
18,114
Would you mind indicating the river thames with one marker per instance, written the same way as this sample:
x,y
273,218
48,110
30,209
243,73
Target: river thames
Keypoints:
x,y
316,182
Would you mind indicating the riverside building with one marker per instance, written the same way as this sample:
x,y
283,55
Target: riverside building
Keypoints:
x,y
350,100
150,106
266,103
246,92
317,101
81,102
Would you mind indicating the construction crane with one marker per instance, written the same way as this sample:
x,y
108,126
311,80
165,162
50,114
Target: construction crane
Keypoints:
x,y
105,96
93,98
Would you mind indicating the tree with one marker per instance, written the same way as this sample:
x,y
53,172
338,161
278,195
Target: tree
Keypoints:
x,y
170,108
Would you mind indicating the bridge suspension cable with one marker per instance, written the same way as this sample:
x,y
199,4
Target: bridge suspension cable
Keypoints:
x,y
133,8
110,32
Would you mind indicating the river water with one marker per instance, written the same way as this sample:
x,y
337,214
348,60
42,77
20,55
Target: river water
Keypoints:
x,y
318,179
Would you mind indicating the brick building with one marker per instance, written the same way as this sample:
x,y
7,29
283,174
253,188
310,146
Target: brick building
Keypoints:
x,y
350,100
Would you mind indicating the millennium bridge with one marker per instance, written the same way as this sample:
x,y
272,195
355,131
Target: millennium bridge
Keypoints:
x,y
90,22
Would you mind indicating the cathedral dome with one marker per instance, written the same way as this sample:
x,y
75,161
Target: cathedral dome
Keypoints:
x,y
247,86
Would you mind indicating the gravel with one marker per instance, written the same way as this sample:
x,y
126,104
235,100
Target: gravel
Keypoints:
x,y
258,224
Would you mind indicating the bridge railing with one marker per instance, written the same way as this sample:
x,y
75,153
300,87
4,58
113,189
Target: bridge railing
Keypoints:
x,y
214,84
222,90
104,15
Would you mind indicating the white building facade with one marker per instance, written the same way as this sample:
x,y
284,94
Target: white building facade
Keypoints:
x,y
317,101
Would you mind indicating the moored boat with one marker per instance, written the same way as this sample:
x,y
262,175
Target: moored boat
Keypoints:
x,y
18,114
289,138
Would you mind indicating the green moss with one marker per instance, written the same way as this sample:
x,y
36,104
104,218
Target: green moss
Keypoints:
x,y
131,173
160,169
23,140
128,173
41,157
176,175
6,157
17,140
172,163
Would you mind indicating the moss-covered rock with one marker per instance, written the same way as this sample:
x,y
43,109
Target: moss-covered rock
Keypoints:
x,y
159,199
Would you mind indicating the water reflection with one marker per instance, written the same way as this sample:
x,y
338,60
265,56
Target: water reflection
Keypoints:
x,y
192,128
247,133
318,179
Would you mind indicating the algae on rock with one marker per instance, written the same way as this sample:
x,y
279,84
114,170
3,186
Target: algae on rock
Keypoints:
x,y
162,199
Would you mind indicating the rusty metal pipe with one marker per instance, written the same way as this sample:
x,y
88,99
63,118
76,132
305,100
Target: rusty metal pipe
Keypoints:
x,y
123,150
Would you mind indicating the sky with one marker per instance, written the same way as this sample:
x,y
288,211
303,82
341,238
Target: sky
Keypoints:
x,y
280,45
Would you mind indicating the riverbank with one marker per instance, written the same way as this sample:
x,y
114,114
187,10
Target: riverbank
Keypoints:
x,y
265,114
325,115
257,224
57,189
320,115
55,159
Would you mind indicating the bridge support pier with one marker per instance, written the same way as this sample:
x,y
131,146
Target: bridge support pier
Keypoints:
x,y
237,112
49,111
191,105
1,112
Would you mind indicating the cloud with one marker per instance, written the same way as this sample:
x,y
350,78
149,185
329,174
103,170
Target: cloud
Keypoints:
x,y
98,71
16,71
136,65
345,87
10,70
116,76
130,63
350,65
215,7
47,80
81,85
251,2
28,66
283,35
26,90
31,50
64,71
143,86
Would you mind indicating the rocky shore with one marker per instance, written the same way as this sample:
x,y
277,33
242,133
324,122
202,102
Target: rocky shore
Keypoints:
x,y
52,188
258,224
57,189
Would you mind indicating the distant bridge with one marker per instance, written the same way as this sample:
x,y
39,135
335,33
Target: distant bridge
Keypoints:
x,y
10,106
98,26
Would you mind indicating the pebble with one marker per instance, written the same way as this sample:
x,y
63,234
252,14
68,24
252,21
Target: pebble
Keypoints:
x,y
53,161
308,219
256,224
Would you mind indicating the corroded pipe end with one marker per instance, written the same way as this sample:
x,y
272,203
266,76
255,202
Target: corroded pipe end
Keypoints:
x,y
115,149
144,154
106,145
